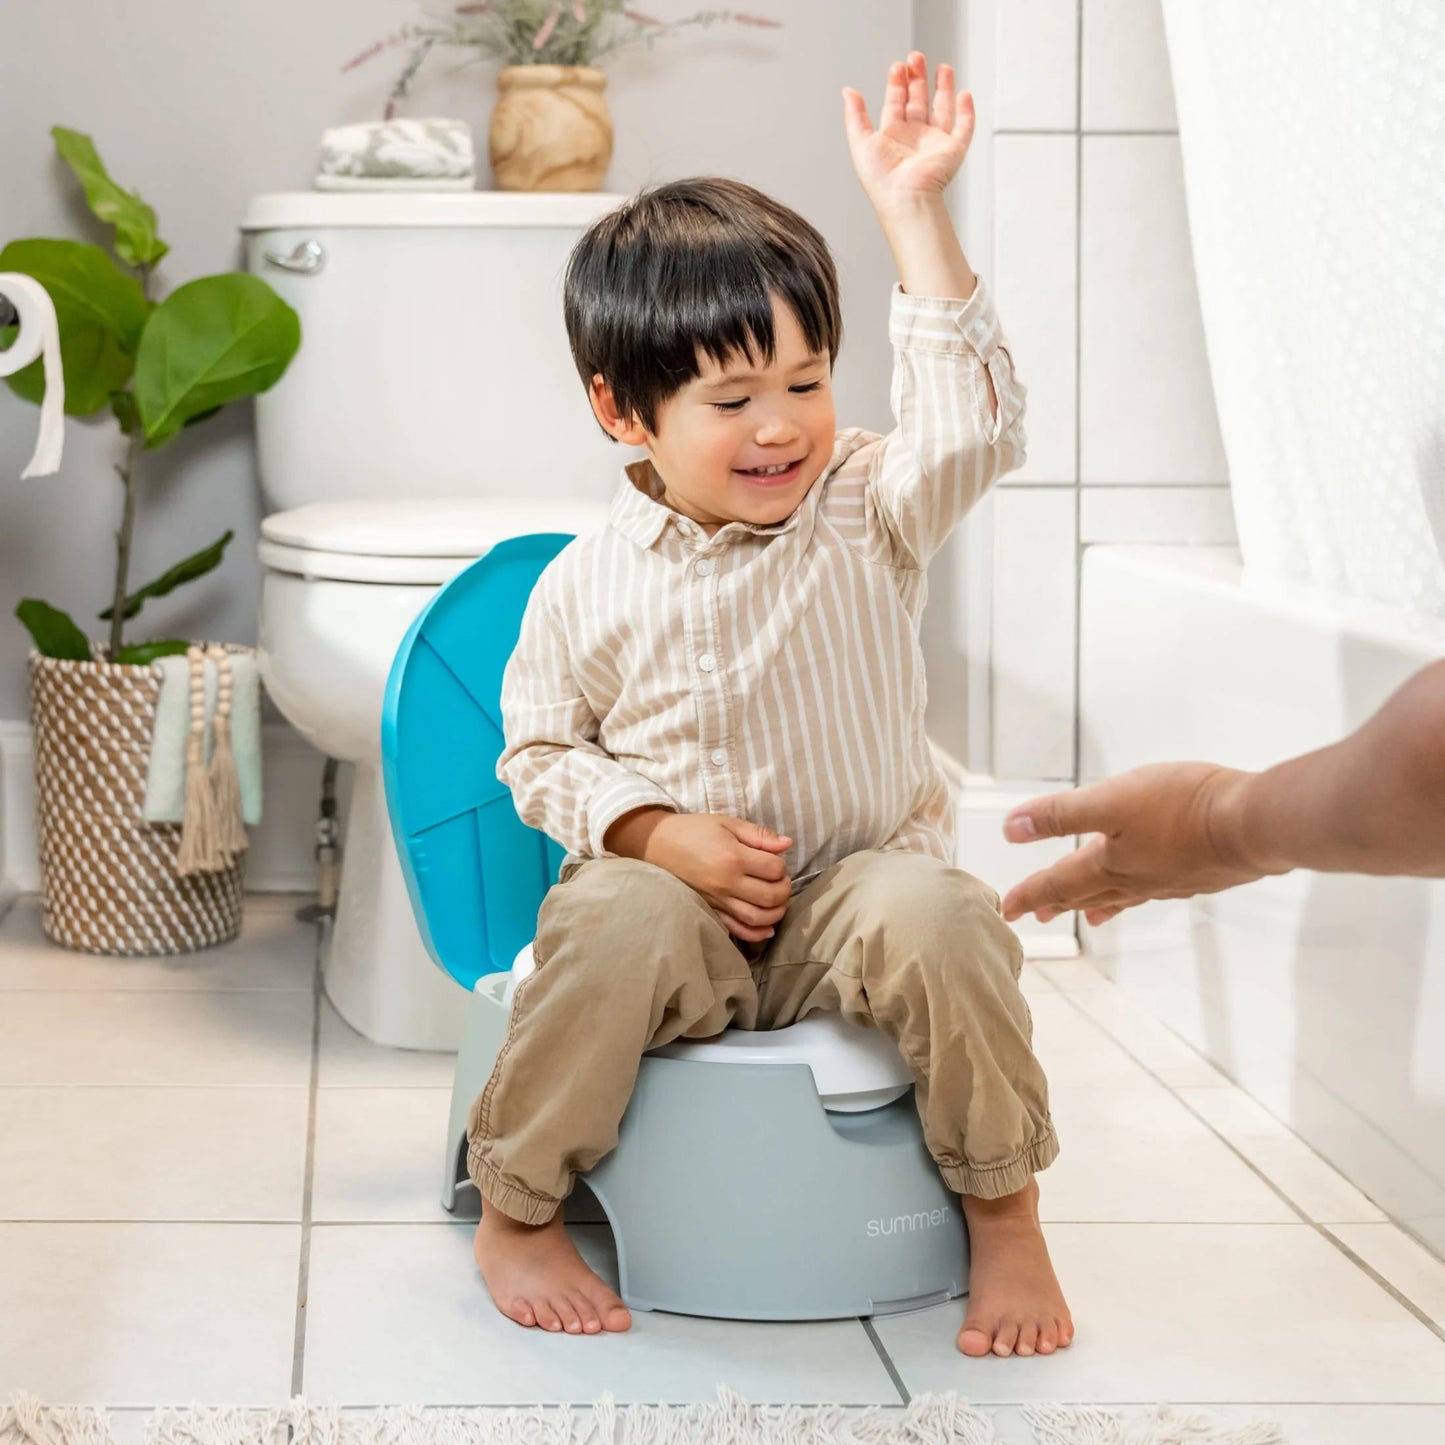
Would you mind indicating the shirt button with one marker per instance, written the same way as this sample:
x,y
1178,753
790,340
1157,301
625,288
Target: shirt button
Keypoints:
x,y
719,757
707,662
704,568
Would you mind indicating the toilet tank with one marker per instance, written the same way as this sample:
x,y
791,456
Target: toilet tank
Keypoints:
x,y
434,359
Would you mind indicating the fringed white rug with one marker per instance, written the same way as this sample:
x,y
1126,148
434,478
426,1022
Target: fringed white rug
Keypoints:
x,y
928,1420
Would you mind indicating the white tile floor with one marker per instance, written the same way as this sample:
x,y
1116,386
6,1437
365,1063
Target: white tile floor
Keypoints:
x,y
211,1194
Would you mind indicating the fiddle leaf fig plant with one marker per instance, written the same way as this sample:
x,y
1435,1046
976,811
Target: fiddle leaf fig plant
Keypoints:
x,y
158,366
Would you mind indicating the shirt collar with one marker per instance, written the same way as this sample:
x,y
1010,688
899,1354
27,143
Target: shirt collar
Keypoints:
x,y
639,512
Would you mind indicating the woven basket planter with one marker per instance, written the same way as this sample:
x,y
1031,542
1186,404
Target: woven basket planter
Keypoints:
x,y
108,878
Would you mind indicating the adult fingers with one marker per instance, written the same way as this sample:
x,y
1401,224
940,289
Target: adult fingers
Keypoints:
x,y
1065,885
1059,815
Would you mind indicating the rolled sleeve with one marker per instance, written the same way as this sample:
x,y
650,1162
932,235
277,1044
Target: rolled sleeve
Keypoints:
x,y
615,797
949,446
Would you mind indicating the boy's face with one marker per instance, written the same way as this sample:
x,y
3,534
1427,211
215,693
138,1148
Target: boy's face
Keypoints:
x,y
719,438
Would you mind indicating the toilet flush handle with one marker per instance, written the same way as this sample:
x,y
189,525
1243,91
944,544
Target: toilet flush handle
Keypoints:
x,y
308,258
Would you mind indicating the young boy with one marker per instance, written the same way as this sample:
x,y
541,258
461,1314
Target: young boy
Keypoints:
x,y
716,703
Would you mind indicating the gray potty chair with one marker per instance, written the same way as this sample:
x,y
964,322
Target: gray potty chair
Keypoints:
x,y
758,1175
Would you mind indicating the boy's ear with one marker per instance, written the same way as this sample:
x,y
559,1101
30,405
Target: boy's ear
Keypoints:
x,y
627,430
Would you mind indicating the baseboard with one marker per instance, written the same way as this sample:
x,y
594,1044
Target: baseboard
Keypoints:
x,y
280,858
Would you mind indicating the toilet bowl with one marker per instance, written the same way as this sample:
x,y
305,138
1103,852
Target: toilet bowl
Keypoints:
x,y
433,402
343,581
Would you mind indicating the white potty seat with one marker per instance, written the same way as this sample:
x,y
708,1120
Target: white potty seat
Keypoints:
x,y
854,1067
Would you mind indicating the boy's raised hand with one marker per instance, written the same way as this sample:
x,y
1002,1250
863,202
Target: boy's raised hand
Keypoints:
x,y
916,149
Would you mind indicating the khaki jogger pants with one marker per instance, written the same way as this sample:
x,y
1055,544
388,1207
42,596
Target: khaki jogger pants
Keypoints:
x,y
629,958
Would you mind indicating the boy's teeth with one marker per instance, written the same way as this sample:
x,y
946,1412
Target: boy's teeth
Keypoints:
x,y
768,471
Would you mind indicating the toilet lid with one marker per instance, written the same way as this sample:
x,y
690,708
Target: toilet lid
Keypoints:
x,y
421,541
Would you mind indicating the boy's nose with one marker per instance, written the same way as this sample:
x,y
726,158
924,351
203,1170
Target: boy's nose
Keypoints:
x,y
776,429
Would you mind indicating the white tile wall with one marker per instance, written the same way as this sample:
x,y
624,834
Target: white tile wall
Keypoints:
x,y
1124,73
1197,515
1036,285
1146,405
1078,204
1035,543
1037,65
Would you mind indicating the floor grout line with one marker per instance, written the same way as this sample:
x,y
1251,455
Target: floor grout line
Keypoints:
x,y
885,1358
303,1273
1322,1230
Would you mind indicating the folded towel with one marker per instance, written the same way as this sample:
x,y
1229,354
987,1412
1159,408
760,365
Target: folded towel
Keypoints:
x,y
166,779
398,154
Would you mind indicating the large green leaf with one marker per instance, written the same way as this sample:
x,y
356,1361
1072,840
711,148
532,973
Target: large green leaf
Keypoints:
x,y
136,241
143,653
55,633
86,281
210,342
100,311
206,560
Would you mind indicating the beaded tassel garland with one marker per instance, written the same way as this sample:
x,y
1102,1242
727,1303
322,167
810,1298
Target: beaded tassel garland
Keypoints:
x,y
212,830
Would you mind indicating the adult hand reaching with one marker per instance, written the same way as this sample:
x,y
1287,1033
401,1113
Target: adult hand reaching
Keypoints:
x,y
1163,832
1373,803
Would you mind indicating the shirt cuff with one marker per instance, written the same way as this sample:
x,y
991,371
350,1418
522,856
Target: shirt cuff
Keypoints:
x,y
946,323
614,798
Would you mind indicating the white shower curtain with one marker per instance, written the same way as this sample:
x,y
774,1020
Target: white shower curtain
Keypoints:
x,y
1313,137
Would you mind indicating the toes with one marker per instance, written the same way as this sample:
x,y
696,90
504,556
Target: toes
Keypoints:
x,y
547,1316
618,1318
521,1311
587,1313
569,1314
974,1340
1028,1338
1066,1334
1005,1340
1049,1338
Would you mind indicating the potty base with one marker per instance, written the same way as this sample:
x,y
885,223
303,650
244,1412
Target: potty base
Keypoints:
x,y
733,1194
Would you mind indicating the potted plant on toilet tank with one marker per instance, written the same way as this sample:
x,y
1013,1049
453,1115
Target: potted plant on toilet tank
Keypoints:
x,y
112,882
550,130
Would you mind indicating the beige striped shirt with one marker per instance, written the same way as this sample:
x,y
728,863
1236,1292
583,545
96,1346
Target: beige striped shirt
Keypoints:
x,y
773,673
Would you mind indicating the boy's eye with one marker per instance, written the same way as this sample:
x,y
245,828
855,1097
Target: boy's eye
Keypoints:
x,y
735,406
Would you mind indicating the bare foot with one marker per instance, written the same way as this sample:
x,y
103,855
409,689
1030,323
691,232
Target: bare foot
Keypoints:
x,y
1015,1305
536,1277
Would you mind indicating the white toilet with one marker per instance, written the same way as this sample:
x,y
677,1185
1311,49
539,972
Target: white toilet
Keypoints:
x,y
432,411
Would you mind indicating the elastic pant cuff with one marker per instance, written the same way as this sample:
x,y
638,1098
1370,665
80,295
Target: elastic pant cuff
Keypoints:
x,y
995,1181
515,1203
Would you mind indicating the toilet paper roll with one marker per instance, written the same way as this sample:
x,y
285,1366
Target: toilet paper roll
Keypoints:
x,y
39,335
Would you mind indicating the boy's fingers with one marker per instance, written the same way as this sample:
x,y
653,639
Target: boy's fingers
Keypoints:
x,y
855,115
895,95
766,866
754,835
943,98
917,87
750,913
741,930
964,118
772,896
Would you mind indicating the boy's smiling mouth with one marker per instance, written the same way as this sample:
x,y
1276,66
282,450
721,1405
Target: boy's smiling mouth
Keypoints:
x,y
772,476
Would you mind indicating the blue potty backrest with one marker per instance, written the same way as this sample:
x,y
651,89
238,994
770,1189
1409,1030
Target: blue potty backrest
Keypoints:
x,y
476,873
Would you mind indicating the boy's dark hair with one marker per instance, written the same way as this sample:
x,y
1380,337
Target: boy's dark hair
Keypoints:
x,y
689,267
